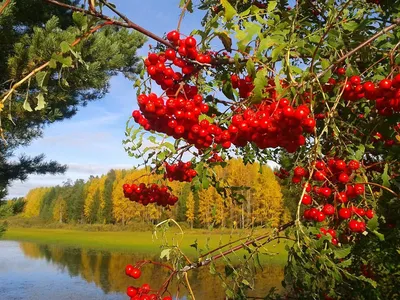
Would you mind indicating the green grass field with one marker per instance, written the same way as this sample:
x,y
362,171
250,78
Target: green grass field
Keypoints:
x,y
140,242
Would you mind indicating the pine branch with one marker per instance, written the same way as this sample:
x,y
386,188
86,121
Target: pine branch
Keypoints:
x,y
35,71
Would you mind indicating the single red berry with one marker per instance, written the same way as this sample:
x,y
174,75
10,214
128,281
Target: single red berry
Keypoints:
x,y
355,80
334,241
358,189
342,197
328,209
354,225
353,165
306,200
331,232
300,172
343,178
341,71
340,165
135,273
385,84
128,268
320,217
131,291
320,165
190,42
145,288
369,213
344,213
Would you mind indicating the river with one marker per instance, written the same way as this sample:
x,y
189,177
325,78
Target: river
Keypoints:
x,y
38,271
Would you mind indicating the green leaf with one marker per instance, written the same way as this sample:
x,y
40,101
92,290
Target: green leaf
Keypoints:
x,y
385,176
212,269
360,152
152,139
26,105
80,19
259,84
41,103
42,78
64,47
251,70
369,280
53,63
350,26
169,146
230,11
226,40
245,282
271,6
373,223
205,181
165,253
380,236
342,253
228,90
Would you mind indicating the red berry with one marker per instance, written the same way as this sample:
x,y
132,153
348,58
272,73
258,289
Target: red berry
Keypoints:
x,y
342,197
353,165
320,217
385,84
300,172
306,200
344,213
328,209
131,291
369,213
341,71
190,42
331,232
170,54
355,80
340,165
343,178
135,273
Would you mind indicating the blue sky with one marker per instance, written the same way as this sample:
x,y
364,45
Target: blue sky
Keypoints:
x,y
90,142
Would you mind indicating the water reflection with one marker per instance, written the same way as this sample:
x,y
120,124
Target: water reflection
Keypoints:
x,y
106,270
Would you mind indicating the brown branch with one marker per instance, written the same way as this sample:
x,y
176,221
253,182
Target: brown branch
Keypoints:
x,y
4,6
382,187
396,23
183,14
233,249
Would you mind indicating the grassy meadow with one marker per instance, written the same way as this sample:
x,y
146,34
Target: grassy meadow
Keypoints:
x,y
143,241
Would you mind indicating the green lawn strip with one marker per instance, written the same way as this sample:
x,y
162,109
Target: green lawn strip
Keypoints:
x,y
141,242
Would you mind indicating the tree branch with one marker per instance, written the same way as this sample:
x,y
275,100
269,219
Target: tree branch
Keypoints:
x,y
32,73
206,262
4,6
396,23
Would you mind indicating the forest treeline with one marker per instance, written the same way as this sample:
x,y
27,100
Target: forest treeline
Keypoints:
x,y
101,200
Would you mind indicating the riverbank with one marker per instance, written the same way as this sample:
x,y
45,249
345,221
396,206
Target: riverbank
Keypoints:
x,y
139,242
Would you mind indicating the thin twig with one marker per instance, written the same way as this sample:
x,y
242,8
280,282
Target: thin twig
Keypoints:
x,y
33,72
362,45
4,6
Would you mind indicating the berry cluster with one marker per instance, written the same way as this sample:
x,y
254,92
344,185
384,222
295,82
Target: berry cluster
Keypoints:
x,y
215,158
331,203
180,172
272,124
152,193
282,173
180,117
386,94
143,292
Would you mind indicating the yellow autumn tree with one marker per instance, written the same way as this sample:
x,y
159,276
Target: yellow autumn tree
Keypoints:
x,y
60,210
34,200
190,210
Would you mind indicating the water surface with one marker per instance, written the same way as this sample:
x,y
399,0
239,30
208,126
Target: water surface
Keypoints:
x,y
36,271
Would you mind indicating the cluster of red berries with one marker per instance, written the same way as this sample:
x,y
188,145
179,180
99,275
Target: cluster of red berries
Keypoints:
x,y
160,65
272,124
215,158
152,193
331,232
180,172
282,173
331,203
179,117
386,93
143,292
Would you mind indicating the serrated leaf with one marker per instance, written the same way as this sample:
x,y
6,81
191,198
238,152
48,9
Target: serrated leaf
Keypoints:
x,y
53,63
360,152
169,146
230,11
80,19
259,84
